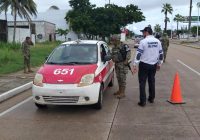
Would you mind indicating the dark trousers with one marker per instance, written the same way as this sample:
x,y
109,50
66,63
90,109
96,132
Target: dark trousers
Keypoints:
x,y
146,71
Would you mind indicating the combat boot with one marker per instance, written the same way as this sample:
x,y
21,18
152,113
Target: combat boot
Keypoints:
x,y
25,70
117,92
29,69
121,93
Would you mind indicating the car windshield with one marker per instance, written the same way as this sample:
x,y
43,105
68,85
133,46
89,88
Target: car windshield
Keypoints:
x,y
71,54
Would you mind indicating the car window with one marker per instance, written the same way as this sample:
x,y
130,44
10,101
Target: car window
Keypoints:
x,y
74,54
104,51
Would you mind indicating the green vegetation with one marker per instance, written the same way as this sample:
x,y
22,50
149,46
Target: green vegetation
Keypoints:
x,y
178,18
167,8
11,57
101,21
22,8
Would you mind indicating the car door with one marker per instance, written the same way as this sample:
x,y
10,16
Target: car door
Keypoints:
x,y
108,65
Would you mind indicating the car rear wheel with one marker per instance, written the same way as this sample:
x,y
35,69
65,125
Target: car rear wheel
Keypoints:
x,y
40,106
99,104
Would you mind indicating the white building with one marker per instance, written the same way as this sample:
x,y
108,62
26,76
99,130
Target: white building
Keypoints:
x,y
40,31
52,16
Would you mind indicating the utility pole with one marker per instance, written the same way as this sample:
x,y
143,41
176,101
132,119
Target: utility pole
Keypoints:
x,y
198,6
189,24
109,2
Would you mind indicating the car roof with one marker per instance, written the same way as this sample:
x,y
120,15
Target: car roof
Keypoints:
x,y
82,42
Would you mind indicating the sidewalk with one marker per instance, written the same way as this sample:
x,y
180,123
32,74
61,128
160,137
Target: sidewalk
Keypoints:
x,y
14,80
192,44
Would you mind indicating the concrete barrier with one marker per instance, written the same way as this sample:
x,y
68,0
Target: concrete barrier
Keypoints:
x,y
15,91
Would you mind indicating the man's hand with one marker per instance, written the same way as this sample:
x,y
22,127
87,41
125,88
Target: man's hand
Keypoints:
x,y
126,62
134,69
158,67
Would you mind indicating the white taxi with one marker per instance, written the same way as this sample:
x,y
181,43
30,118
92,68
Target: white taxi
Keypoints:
x,y
75,73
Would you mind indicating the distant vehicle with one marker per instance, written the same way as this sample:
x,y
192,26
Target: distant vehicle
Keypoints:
x,y
75,73
138,38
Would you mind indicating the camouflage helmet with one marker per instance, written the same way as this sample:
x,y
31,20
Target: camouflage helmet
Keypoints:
x,y
115,38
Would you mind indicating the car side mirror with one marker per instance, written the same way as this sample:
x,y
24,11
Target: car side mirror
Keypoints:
x,y
107,58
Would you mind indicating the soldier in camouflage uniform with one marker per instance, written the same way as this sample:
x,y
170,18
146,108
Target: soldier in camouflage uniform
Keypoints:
x,y
120,55
26,53
165,44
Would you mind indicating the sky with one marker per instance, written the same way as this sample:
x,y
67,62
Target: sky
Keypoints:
x,y
150,8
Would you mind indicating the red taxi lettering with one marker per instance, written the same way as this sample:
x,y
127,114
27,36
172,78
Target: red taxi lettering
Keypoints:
x,y
63,71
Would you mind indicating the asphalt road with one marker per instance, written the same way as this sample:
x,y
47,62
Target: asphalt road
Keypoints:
x,y
119,119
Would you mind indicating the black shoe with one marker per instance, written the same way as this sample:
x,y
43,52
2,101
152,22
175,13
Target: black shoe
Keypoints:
x,y
142,104
151,101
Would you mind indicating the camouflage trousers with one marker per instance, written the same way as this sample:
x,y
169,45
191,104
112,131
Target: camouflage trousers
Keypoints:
x,y
26,63
121,72
165,54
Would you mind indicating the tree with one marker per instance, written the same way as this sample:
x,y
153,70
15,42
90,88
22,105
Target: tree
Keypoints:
x,y
189,24
102,21
167,8
178,18
62,32
194,30
5,8
22,8
157,28
79,17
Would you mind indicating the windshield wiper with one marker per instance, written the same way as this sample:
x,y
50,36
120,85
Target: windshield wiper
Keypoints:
x,y
75,63
52,63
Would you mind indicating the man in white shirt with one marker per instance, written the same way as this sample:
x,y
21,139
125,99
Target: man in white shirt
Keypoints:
x,y
149,57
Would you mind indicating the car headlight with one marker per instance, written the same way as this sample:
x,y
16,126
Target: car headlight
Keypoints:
x,y
38,80
86,80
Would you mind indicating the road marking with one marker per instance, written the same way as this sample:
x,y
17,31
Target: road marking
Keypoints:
x,y
16,106
188,67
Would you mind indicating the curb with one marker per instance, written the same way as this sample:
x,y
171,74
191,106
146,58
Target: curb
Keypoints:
x,y
15,91
186,45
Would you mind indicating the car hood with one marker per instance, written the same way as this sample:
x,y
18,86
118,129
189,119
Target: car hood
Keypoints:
x,y
65,74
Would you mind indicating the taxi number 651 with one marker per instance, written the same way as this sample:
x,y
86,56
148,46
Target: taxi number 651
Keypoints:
x,y
63,71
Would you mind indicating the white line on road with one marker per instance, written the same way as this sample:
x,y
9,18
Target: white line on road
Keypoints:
x,y
188,67
14,107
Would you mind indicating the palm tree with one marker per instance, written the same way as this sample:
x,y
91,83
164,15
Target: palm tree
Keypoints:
x,y
167,8
178,18
62,32
189,24
4,8
157,28
22,8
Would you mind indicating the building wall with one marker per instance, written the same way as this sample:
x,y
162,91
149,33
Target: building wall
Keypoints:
x,y
50,30
20,34
40,31
45,31
22,31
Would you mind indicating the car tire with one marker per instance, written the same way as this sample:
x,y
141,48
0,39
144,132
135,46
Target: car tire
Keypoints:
x,y
99,104
111,84
40,106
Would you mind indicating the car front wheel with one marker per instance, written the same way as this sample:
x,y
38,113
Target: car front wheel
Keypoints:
x,y
99,104
40,106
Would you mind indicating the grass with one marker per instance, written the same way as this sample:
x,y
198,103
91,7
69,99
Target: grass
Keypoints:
x,y
11,58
